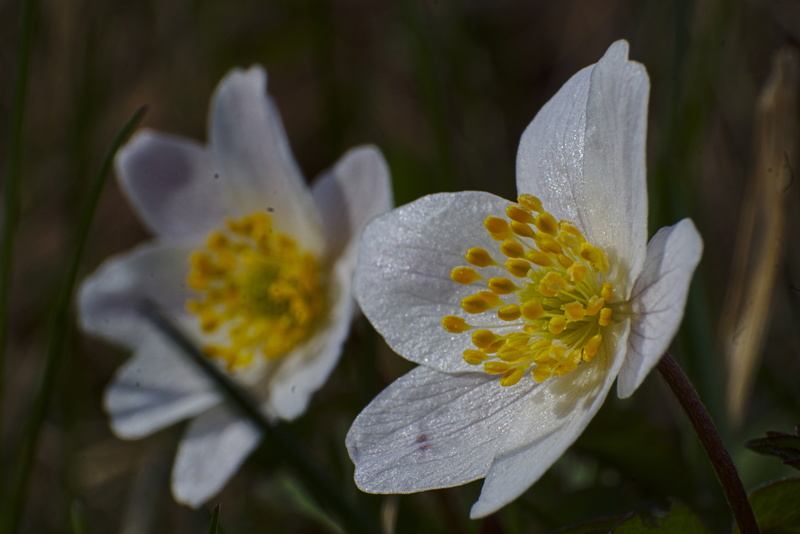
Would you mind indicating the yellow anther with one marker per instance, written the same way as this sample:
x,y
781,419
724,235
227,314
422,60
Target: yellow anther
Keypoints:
x,y
518,268
594,305
540,374
592,347
501,286
256,289
512,248
595,256
530,202
548,244
491,298
455,325
532,310
577,272
495,368
479,257
546,223
564,261
497,228
509,313
574,311
605,317
512,376
519,213
521,229
483,339
217,241
464,275
557,324
474,304
551,284
539,258
474,357
606,291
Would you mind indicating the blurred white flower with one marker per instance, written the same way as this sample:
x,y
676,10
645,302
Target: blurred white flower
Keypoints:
x,y
522,314
249,260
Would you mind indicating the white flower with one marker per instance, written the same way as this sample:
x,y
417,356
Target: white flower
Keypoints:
x,y
249,260
521,314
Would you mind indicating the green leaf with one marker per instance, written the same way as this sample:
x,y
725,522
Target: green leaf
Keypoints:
x,y
680,520
212,527
784,446
777,506
596,526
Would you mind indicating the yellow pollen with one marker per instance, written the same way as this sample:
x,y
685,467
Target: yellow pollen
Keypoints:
x,y
522,229
547,317
464,275
479,257
518,268
256,290
498,228
546,223
519,213
512,249
501,286
455,325
530,202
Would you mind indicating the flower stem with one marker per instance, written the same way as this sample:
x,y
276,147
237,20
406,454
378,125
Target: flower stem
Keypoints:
x,y
712,442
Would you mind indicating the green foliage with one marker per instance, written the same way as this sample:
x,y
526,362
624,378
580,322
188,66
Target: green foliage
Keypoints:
x,y
212,527
784,446
777,507
680,520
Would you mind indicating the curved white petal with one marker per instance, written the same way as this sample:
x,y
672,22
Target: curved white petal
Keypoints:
x,y
550,419
659,297
156,388
109,300
357,189
584,156
432,430
173,184
305,370
250,146
402,280
215,445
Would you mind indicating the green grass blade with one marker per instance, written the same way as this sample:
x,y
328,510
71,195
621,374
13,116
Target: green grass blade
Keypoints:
x,y
11,193
58,339
212,527
295,454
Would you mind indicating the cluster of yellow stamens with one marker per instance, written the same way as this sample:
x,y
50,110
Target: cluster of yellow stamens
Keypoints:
x,y
259,293
552,308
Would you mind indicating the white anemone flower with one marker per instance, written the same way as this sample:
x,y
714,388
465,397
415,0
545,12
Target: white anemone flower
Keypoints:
x,y
521,315
252,263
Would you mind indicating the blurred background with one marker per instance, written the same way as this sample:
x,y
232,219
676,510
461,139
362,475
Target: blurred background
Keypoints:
x,y
445,88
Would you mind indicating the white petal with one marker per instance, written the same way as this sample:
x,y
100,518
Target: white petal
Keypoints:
x,y
432,430
614,169
250,146
357,189
172,183
659,297
109,300
215,445
155,388
550,419
402,280
584,156
305,370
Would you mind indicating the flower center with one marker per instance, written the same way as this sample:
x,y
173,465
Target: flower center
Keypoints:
x,y
259,293
553,308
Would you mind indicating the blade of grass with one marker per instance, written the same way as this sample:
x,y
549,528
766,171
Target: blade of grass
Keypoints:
x,y
212,527
14,173
288,448
58,334
78,519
